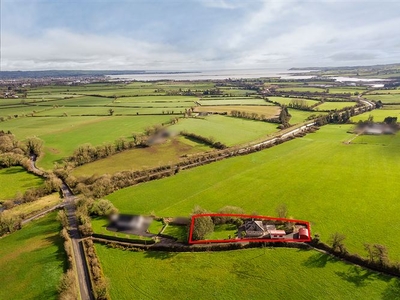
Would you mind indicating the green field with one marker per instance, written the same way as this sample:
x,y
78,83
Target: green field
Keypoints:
x,y
16,179
178,232
233,101
336,186
298,116
389,98
302,89
287,101
394,91
63,135
32,261
378,114
227,130
142,158
242,274
328,106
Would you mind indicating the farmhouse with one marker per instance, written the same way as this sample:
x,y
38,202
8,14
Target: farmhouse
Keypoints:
x,y
254,228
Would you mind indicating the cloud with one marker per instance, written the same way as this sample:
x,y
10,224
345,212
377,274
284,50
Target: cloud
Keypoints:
x,y
64,49
199,34
352,56
224,4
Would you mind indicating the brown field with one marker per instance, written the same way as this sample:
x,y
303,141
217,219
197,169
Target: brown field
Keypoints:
x,y
268,110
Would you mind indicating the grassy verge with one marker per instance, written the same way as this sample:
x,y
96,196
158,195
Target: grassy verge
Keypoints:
x,y
30,208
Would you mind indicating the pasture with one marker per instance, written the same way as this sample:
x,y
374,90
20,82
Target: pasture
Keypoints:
x,y
286,101
269,111
228,130
378,114
142,158
32,261
329,106
63,135
299,116
16,179
242,274
302,89
233,101
388,98
336,186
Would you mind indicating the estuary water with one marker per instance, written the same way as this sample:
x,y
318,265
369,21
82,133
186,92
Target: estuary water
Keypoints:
x,y
212,75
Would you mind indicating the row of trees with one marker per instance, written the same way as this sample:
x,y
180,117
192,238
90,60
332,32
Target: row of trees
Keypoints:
x,y
252,116
206,140
377,254
67,288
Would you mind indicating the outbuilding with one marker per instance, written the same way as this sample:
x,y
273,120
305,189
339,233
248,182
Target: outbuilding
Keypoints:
x,y
303,233
277,234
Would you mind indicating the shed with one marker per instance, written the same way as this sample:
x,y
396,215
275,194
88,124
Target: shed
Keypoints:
x,y
277,234
303,233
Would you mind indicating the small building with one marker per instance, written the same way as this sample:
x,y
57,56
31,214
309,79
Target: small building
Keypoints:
x,y
127,222
277,234
303,233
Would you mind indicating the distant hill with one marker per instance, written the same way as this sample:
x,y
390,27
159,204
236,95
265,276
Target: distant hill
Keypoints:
x,y
76,73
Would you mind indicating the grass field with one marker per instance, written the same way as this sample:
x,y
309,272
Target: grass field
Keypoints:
x,y
328,106
299,116
287,101
302,89
30,208
178,232
16,179
378,114
233,101
245,274
269,111
141,158
227,130
32,261
394,91
336,186
63,135
389,98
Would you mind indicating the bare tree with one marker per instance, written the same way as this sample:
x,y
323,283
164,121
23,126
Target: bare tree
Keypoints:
x,y
336,241
282,211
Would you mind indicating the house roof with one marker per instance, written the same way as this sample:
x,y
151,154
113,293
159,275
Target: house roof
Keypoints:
x,y
303,231
277,232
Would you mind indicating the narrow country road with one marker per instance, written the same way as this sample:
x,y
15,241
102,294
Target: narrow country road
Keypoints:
x,y
82,270
85,285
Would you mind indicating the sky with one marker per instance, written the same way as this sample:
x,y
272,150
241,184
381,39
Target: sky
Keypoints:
x,y
197,34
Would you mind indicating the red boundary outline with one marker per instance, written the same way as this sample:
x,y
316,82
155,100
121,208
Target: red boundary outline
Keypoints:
x,y
246,240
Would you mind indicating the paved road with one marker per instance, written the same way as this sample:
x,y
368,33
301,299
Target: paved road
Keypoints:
x,y
85,286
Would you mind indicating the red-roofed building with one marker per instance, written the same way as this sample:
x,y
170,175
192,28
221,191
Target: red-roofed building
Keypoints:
x,y
303,233
277,234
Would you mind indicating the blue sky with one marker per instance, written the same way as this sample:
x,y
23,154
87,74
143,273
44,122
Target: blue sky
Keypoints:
x,y
197,34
